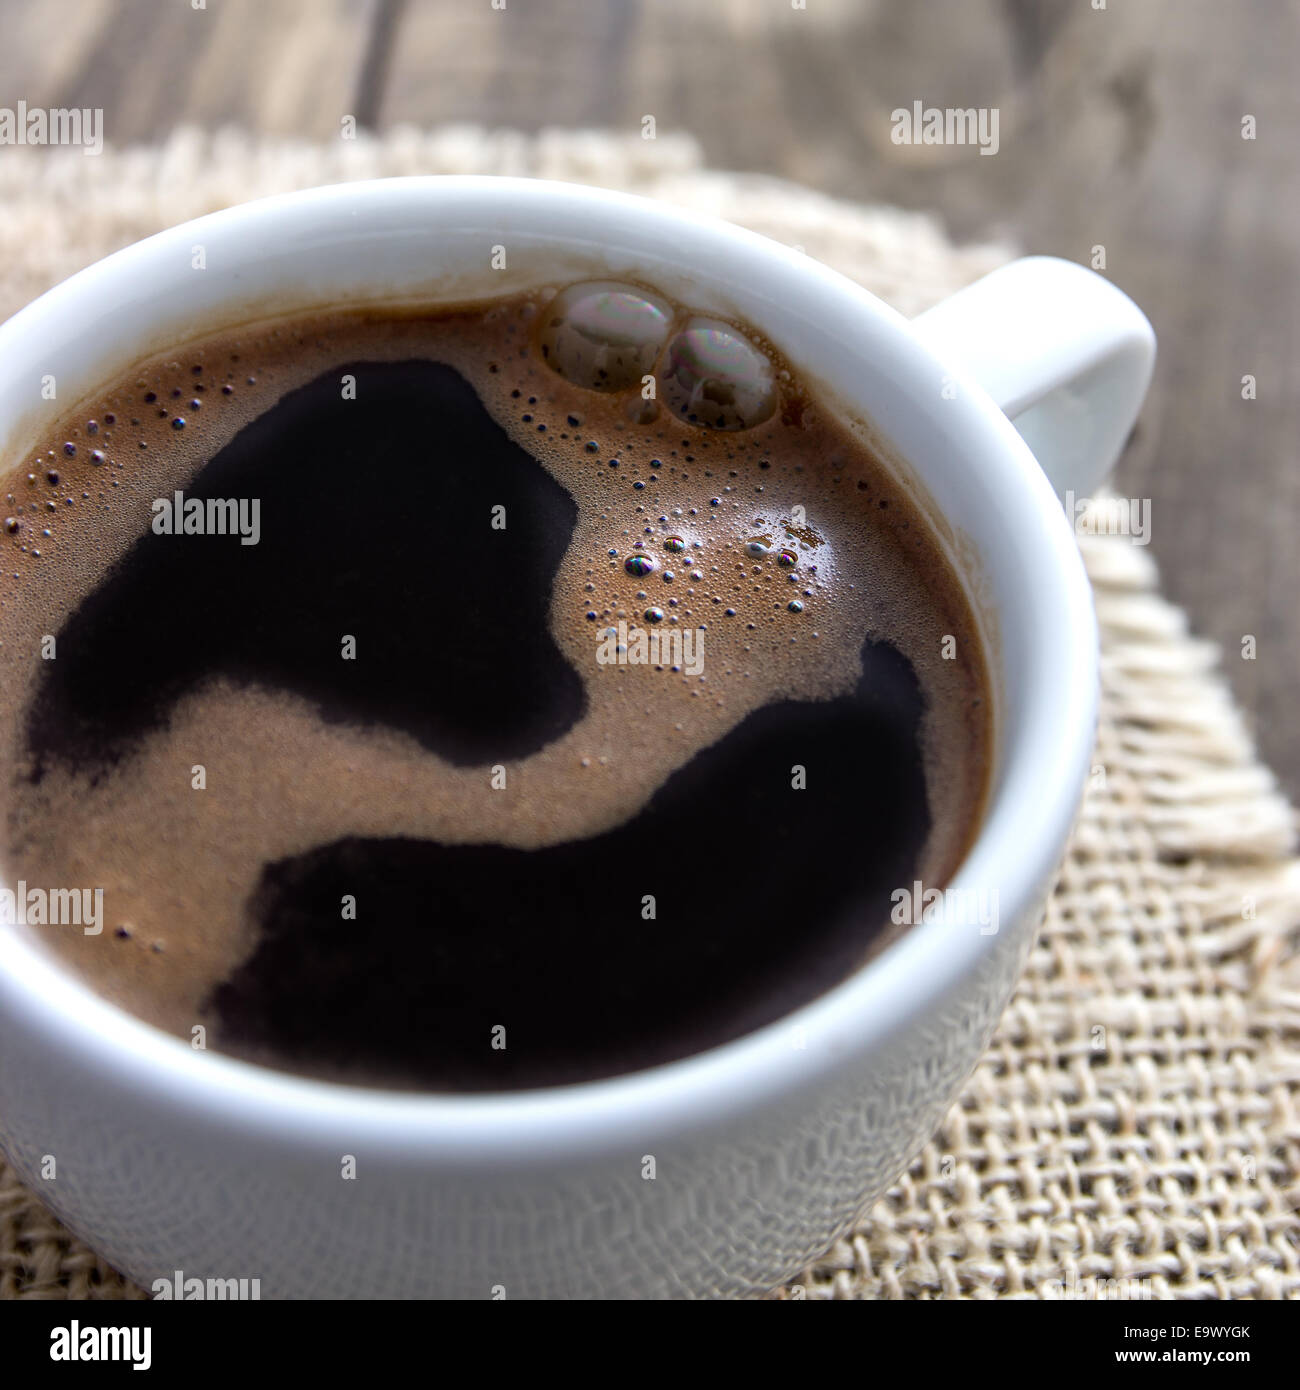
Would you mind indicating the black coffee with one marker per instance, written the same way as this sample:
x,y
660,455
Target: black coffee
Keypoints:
x,y
437,711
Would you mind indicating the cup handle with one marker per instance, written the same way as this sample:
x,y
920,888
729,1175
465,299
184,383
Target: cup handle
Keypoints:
x,y
1065,354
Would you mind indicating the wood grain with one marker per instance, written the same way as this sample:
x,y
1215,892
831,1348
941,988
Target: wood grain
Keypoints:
x,y
275,66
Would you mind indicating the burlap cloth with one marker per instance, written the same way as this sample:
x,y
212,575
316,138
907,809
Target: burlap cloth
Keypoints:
x,y
1136,1117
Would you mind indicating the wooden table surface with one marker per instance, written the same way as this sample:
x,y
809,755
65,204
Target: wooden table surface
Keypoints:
x,y
1120,126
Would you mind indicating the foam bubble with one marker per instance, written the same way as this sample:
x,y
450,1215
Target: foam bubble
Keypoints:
x,y
715,377
605,336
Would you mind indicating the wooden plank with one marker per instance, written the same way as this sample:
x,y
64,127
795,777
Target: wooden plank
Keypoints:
x,y
34,63
273,66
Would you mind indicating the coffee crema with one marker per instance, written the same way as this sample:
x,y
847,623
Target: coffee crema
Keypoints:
x,y
478,698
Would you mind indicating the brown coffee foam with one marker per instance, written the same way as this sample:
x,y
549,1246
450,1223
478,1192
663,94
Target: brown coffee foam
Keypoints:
x,y
178,865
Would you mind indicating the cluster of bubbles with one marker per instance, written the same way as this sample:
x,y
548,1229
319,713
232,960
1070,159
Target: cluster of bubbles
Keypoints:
x,y
96,451
639,564
608,336
616,338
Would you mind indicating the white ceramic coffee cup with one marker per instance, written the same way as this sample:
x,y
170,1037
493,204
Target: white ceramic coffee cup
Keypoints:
x,y
722,1174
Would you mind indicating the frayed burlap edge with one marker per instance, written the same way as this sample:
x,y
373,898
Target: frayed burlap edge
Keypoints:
x,y
1132,1132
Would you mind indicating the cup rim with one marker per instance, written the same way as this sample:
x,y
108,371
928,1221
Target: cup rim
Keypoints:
x,y
1044,760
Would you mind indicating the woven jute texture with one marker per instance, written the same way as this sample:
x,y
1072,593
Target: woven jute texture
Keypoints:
x,y
1134,1129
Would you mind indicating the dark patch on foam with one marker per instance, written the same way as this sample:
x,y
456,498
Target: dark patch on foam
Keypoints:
x,y
375,522
765,897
